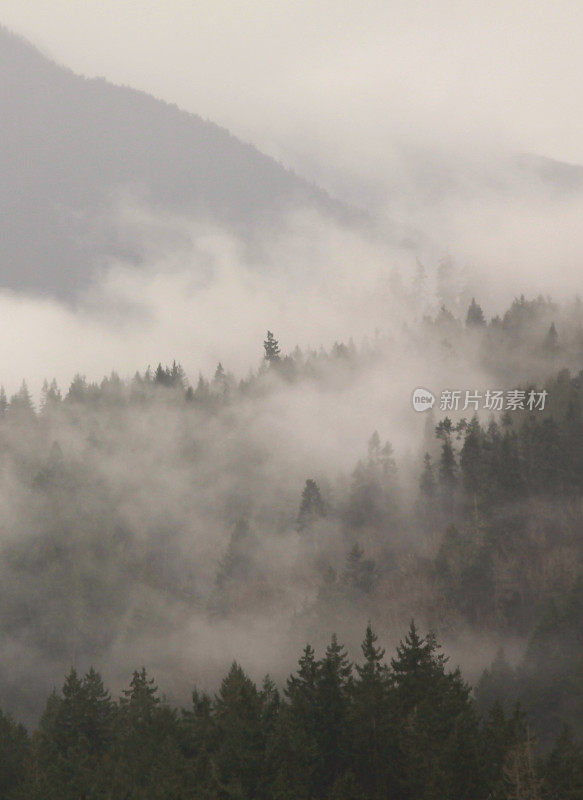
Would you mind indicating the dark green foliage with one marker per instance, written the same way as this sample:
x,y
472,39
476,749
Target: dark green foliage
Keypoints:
x,y
437,729
238,716
75,733
571,447
146,760
294,750
372,748
500,552
501,733
562,769
407,730
552,673
14,757
333,685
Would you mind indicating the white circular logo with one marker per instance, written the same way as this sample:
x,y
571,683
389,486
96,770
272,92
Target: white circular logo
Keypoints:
x,y
422,399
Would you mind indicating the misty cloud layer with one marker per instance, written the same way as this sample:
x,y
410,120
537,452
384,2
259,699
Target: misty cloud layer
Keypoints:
x,y
336,91
121,505
119,533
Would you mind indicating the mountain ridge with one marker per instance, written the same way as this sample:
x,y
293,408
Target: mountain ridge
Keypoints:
x,y
73,145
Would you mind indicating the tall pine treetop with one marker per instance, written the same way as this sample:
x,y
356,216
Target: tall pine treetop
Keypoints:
x,y
271,347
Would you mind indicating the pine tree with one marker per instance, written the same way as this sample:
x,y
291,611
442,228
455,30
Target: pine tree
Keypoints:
x,y
220,381
311,507
141,699
301,687
270,704
148,762
241,747
435,723
21,407
294,751
333,687
97,714
66,768
374,448
271,347
78,390
475,316
200,743
370,719
177,376
50,396
271,708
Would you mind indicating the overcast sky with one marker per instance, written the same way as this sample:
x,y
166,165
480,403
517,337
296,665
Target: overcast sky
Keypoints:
x,y
336,82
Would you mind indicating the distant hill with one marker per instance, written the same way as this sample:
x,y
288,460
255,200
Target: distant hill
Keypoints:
x,y
73,151
72,147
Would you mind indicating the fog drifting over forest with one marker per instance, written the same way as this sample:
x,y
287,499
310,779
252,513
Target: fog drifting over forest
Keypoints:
x,y
118,514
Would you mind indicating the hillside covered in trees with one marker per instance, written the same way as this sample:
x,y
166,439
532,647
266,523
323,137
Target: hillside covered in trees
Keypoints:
x,y
405,729
183,525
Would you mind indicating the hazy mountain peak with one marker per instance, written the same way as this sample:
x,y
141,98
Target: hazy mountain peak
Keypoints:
x,y
73,146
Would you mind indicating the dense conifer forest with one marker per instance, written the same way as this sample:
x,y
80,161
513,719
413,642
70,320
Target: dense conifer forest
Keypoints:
x,y
402,727
186,526
291,401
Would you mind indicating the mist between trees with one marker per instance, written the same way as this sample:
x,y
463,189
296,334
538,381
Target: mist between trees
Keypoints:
x,y
151,521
